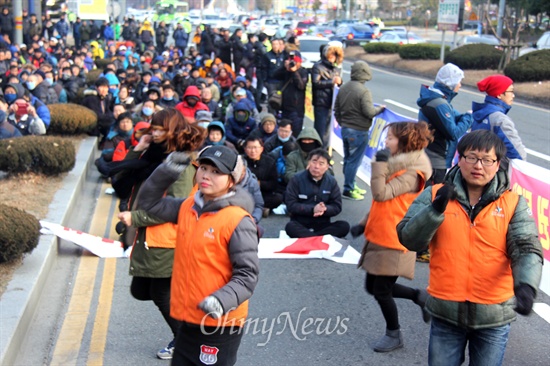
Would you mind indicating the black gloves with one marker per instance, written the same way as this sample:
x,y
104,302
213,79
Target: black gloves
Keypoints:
x,y
357,230
525,296
382,155
442,197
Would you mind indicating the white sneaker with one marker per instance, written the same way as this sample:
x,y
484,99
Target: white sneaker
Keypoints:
x,y
280,210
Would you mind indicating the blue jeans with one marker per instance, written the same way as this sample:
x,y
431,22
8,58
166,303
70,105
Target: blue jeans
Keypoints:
x,y
322,123
485,346
355,144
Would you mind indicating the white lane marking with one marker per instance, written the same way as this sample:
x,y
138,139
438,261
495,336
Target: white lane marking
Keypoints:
x,y
401,105
537,154
415,110
543,310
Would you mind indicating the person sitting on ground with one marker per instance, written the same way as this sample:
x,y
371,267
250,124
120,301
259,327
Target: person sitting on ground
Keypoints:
x,y
239,94
203,118
216,136
265,169
284,134
168,100
240,125
312,197
122,130
191,103
308,140
23,116
7,130
145,112
267,127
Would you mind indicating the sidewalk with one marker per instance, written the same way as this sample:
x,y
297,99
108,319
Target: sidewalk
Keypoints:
x,y
21,298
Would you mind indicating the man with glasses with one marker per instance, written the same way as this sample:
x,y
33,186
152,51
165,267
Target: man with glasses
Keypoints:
x,y
486,259
492,114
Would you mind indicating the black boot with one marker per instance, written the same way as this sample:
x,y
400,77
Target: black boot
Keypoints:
x,y
421,297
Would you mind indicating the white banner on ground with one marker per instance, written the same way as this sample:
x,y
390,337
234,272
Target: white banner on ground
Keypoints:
x,y
104,248
316,247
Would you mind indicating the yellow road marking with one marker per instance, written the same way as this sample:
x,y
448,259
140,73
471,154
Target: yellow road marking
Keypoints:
x,y
70,337
103,313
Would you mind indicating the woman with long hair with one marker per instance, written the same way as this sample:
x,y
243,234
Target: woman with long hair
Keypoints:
x,y
397,178
152,256
216,262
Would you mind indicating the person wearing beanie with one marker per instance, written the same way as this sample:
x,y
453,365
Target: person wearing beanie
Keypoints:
x,y
492,114
216,219
449,125
267,128
325,74
284,134
102,103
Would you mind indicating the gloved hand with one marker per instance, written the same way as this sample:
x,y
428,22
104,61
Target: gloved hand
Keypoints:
x,y
212,307
383,155
442,197
525,296
357,230
178,161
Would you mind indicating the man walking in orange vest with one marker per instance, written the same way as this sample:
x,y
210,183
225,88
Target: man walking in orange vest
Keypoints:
x,y
486,259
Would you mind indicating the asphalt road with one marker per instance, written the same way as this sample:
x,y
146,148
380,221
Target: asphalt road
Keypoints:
x,y
346,320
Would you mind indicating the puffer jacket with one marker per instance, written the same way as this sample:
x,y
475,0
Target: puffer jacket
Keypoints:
x,y
156,262
250,184
303,193
187,110
242,245
322,85
353,107
296,161
265,170
448,123
294,94
237,131
523,249
492,115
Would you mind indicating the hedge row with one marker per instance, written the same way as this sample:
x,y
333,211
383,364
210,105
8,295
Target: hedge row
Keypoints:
x,y
422,51
534,66
40,154
71,119
381,47
475,57
19,233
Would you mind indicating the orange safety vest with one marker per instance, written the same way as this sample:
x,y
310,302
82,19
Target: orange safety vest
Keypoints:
x,y
469,260
202,264
384,217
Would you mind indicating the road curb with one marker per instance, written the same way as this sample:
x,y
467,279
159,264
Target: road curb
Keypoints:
x,y
21,298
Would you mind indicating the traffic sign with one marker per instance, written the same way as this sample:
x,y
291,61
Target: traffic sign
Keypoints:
x,y
448,14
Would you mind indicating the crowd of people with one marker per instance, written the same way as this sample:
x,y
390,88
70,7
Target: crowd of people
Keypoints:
x,y
198,155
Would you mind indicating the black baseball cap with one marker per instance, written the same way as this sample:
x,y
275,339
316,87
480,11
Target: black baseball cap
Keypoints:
x,y
222,157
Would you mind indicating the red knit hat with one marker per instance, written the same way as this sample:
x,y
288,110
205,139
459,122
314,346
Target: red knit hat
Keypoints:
x,y
494,85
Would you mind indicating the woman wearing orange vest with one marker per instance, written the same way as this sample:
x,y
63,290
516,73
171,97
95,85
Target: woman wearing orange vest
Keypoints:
x,y
397,178
486,258
216,262
152,256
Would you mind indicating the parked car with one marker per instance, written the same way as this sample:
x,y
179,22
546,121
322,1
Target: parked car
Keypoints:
x,y
542,44
321,31
269,26
354,34
471,25
401,38
484,39
301,27
309,49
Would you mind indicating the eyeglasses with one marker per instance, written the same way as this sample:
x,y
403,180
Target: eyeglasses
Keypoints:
x,y
484,161
509,91
253,147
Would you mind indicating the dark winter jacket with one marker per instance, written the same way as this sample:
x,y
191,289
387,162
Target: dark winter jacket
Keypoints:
x,y
224,50
265,171
492,115
62,28
237,131
250,184
271,62
353,107
303,193
322,85
102,107
180,38
273,142
448,123
294,94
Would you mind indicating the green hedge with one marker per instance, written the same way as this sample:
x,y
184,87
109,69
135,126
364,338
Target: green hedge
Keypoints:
x,y
381,47
422,51
47,155
71,119
475,57
19,233
534,66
